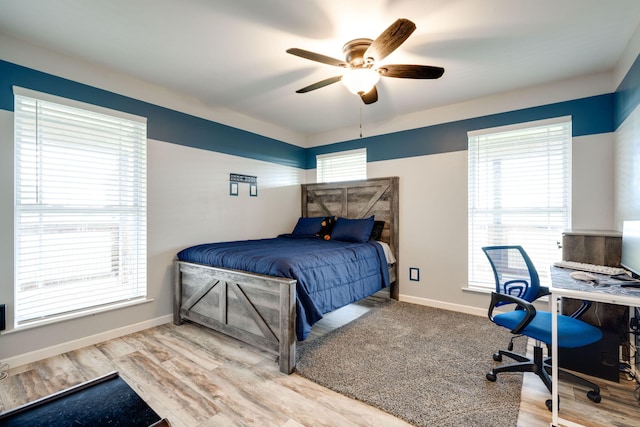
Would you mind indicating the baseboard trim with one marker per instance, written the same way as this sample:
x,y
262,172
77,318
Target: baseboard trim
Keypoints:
x,y
44,353
34,356
444,305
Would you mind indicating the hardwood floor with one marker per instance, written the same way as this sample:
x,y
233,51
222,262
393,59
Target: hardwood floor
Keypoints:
x,y
617,408
195,377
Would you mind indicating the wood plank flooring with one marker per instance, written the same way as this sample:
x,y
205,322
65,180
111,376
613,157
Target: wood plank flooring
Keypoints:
x,y
195,377
617,408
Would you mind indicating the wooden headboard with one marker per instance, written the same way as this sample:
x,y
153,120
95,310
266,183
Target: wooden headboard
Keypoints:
x,y
358,199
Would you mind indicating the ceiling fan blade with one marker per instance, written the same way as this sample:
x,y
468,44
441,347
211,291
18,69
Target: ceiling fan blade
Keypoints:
x,y
317,57
390,39
318,85
370,97
411,71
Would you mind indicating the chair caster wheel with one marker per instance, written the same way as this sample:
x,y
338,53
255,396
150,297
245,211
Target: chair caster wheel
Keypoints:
x,y
594,397
549,404
497,357
491,376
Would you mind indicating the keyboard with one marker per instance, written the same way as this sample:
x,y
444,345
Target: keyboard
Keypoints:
x,y
591,268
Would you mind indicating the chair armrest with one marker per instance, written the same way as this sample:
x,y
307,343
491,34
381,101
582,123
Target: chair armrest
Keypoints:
x,y
497,298
543,292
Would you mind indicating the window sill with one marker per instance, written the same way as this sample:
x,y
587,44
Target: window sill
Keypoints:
x,y
77,315
487,291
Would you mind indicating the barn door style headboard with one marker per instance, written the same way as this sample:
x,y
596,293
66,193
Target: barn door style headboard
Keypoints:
x,y
358,199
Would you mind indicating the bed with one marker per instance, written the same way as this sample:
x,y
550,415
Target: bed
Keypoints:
x,y
267,302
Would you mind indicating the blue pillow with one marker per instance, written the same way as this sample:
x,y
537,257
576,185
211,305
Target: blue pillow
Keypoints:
x,y
352,230
307,227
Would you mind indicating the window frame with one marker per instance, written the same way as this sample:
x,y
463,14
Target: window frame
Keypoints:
x,y
350,159
136,209
536,241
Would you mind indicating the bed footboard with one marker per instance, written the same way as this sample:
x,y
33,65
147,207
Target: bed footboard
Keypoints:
x,y
256,309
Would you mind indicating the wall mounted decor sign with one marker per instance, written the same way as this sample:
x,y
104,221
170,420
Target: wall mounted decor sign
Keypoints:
x,y
235,179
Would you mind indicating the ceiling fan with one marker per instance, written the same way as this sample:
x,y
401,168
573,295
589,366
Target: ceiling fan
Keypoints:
x,y
362,57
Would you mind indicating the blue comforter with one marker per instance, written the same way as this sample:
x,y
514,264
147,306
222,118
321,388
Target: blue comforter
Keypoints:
x,y
330,274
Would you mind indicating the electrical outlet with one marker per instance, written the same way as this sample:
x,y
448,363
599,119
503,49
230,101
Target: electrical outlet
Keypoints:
x,y
414,274
3,319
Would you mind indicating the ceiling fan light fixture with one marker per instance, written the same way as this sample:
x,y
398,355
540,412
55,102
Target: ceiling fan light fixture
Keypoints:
x,y
360,80
360,73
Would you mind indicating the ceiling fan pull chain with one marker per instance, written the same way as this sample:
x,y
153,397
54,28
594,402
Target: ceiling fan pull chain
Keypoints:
x,y
361,121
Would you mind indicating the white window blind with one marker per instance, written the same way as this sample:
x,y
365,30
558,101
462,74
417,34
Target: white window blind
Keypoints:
x,y
342,166
80,207
519,193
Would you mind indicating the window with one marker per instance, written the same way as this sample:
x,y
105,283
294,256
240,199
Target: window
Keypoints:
x,y
80,207
342,166
519,193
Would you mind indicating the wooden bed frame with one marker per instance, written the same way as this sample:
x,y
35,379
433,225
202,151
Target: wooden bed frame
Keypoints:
x,y
260,310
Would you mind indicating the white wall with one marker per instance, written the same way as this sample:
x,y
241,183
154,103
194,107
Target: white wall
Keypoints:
x,y
433,227
593,196
627,146
433,195
627,183
188,203
433,217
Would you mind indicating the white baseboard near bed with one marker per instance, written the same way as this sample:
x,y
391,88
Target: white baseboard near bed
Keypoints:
x,y
444,305
56,350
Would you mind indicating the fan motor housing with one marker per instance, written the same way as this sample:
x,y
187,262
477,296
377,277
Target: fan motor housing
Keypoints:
x,y
354,51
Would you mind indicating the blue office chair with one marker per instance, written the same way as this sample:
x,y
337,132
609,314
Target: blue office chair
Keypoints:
x,y
517,282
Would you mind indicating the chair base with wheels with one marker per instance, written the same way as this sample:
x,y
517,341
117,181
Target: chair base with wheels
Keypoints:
x,y
541,366
517,284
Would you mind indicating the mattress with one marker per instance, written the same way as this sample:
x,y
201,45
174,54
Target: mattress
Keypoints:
x,y
329,274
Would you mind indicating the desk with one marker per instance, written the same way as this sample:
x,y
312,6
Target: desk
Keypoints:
x,y
565,286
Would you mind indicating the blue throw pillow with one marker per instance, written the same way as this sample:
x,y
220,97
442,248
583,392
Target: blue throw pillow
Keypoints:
x,y
352,230
307,227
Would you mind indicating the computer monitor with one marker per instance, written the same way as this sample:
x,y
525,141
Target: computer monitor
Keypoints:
x,y
631,247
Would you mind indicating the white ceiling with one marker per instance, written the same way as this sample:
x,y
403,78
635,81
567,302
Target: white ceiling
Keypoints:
x,y
231,53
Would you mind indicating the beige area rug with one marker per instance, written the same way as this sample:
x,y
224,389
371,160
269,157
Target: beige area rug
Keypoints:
x,y
422,364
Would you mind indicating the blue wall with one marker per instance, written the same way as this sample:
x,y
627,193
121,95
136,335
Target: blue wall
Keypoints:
x,y
627,96
163,124
592,115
